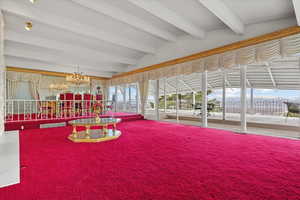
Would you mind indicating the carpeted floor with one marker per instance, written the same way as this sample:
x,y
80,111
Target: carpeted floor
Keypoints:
x,y
157,160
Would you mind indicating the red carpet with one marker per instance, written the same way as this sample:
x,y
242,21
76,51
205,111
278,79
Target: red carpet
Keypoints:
x,y
156,160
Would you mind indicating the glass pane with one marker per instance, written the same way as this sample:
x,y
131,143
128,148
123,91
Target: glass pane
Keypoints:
x,y
274,98
215,94
233,93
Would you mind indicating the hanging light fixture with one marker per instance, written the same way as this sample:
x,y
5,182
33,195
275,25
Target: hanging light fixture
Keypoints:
x,y
78,78
58,86
28,26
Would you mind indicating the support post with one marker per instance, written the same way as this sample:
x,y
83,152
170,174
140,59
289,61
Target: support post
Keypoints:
x,y
116,97
129,97
157,100
243,80
124,98
252,101
137,98
165,95
194,99
224,96
204,99
177,117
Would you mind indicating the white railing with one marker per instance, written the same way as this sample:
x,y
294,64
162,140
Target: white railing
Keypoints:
x,y
276,106
27,110
261,106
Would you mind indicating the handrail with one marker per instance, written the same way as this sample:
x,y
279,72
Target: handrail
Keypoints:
x,y
32,110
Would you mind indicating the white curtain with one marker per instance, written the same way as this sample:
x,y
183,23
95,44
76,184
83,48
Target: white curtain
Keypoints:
x,y
260,53
34,90
143,91
14,79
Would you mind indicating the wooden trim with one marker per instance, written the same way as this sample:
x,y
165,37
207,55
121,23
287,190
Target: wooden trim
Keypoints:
x,y
236,45
48,73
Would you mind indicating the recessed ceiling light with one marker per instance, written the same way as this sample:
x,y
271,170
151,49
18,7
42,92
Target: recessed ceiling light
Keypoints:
x,y
32,1
28,26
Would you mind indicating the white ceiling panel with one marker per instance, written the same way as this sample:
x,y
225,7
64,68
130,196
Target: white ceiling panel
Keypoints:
x,y
256,11
112,36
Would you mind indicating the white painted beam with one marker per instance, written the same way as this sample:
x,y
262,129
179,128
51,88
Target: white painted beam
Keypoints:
x,y
127,18
159,10
170,85
187,85
48,55
221,10
27,10
65,47
209,85
272,77
296,4
248,83
42,65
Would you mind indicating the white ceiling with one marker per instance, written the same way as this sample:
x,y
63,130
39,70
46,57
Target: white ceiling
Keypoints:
x,y
106,37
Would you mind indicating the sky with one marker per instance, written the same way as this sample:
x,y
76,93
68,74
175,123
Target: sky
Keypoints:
x,y
234,93
293,95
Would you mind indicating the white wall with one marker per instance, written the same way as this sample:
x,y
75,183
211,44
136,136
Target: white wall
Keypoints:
x,y
187,45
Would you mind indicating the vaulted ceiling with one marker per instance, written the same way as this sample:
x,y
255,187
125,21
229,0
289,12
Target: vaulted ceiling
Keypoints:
x,y
105,37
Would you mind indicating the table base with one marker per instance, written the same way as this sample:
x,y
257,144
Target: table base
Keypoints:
x,y
96,135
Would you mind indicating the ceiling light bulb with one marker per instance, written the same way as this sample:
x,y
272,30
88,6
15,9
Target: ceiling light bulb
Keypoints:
x,y
28,26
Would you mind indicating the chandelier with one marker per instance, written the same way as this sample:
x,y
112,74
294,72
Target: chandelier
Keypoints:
x,y
78,78
58,86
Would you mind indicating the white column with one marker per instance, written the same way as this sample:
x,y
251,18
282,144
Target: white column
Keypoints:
x,y
204,99
124,98
243,78
129,97
116,98
165,95
194,100
224,96
157,99
177,102
252,101
129,92
137,98
2,75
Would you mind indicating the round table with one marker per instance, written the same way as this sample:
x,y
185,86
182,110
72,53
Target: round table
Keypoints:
x,y
100,131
